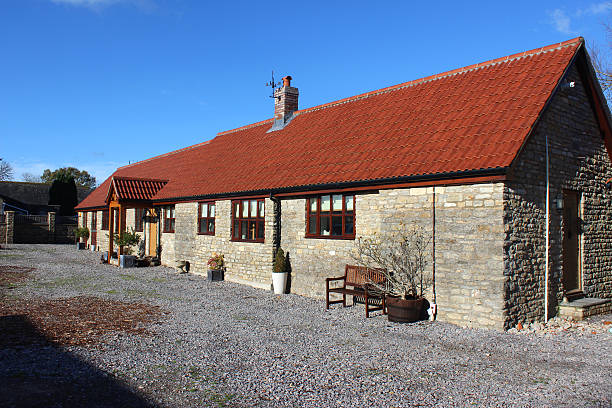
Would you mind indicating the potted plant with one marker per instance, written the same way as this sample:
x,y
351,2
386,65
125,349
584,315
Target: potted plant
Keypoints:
x,y
125,241
81,235
280,272
402,255
216,268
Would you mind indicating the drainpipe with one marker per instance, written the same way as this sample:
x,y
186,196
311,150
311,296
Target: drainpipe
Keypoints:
x,y
277,222
434,311
547,234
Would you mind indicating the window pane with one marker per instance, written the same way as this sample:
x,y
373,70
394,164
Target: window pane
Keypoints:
x,y
325,203
260,229
211,225
212,210
204,210
236,229
312,224
172,224
349,225
261,208
245,209
349,202
237,210
253,208
337,202
202,225
337,225
313,205
244,229
325,226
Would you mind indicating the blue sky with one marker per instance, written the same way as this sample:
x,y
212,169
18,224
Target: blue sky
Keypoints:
x,y
95,84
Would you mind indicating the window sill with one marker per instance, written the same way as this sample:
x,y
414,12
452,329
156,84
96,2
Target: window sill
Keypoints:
x,y
257,241
212,234
330,237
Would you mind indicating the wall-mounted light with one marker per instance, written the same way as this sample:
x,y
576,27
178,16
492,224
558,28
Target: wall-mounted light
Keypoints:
x,y
559,203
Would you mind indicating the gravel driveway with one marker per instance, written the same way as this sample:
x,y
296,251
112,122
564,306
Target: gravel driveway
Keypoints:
x,y
224,344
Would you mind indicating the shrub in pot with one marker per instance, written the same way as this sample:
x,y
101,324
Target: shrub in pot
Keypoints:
x,y
216,268
126,240
403,255
280,272
81,235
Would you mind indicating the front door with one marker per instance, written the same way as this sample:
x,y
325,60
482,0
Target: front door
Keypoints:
x,y
152,233
572,232
94,232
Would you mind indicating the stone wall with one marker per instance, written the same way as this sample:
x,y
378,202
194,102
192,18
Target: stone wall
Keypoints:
x,y
4,226
579,162
468,241
102,236
246,262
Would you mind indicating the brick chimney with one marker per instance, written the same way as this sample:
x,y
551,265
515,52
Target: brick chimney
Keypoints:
x,y
285,103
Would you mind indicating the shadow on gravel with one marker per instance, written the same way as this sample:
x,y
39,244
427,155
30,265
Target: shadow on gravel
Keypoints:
x,y
36,373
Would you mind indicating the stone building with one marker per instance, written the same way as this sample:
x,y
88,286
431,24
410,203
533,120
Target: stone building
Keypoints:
x,y
473,155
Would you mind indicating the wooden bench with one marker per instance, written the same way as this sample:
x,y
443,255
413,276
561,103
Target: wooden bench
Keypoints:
x,y
357,282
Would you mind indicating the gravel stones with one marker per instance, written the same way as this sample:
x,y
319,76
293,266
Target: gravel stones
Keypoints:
x,y
561,326
224,344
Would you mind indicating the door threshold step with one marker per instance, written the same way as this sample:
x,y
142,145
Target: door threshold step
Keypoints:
x,y
580,309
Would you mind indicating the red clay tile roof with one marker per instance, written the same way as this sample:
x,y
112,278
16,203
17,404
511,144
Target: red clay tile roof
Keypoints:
x,y
135,189
471,118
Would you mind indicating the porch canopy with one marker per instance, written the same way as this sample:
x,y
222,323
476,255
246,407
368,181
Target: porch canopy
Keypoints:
x,y
124,193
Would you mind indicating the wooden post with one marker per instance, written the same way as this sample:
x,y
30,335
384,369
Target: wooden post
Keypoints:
x,y
111,225
51,226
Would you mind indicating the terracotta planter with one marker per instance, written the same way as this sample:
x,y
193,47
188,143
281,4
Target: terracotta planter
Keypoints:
x,y
404,310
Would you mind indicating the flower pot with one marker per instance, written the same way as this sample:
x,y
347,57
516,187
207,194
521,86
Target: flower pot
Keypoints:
x,y
80,245
127,261
404,310
215,275
279,281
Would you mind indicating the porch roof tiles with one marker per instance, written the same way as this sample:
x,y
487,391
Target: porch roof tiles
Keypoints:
x,y
467,119
134,189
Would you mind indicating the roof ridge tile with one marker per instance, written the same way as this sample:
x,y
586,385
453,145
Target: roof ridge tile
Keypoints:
x,y
456,71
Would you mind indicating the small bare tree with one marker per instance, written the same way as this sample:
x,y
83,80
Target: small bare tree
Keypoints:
x,y
6,171
31,178
602,65
402,254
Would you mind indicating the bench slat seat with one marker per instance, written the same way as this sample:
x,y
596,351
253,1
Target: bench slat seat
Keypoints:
x,y
357,282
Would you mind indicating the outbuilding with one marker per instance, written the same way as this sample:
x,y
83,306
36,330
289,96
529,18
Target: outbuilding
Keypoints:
x,y
504,162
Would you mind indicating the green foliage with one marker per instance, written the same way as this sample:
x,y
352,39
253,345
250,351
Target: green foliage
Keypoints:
x,y
64,194
127,240
81,232
81,177
280,262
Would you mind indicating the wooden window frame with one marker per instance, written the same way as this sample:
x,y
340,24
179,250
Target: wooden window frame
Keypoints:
x,y
259,221
319,214
84,220
105,220
169,220
206,218
138,221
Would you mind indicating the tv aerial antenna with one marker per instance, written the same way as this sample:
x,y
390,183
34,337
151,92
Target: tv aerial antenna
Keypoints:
x,y
274,85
